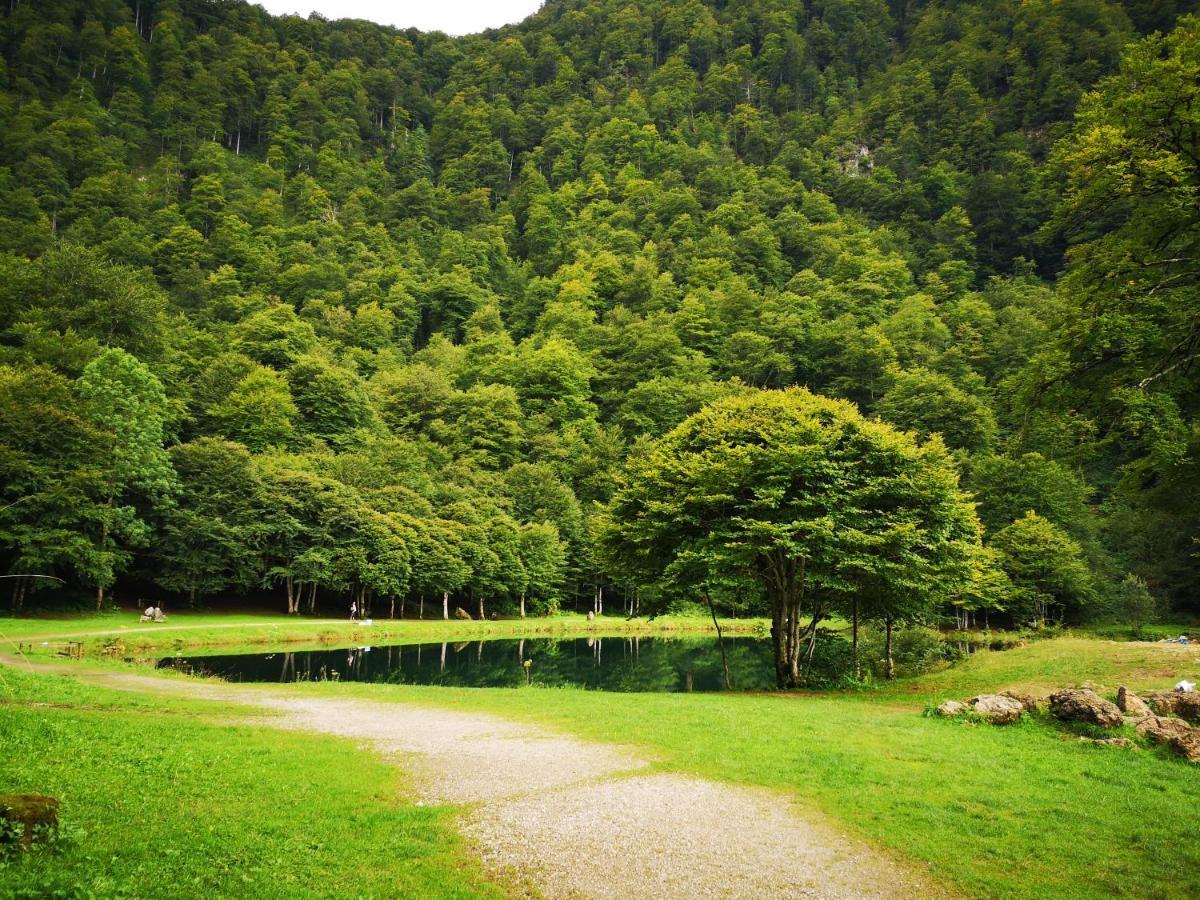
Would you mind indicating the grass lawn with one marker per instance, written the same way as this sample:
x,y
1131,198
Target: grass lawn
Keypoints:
x,y
198,630
1022,811
159,800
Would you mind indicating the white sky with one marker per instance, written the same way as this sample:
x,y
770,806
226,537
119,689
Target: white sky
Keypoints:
x,y
451,16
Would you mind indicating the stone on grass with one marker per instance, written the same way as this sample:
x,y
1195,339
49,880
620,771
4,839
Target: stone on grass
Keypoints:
x,y
1131,704
1163,702
1109,742
27,818
996,708
1175,733
951,708
460,613
1028,701
1085,705
1187,706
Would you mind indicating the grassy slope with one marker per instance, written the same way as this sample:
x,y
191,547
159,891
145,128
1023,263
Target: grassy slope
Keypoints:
x,y
158,800
1024,811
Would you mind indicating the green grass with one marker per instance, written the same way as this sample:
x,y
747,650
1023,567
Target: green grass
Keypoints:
x,y
1153,632
1022,811
158,800
189,630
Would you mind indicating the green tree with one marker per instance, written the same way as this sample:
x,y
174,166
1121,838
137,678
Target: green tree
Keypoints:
x,y
123,397
209,540
805,496
1046,569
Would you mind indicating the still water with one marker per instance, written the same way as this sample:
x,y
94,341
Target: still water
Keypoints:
x,y
606,664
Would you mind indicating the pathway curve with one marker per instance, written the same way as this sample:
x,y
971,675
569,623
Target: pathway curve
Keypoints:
x,y
582,819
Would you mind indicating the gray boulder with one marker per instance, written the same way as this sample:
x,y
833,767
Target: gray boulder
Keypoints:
x,y
996,708
460,613
1028,701
1131,704
1085,705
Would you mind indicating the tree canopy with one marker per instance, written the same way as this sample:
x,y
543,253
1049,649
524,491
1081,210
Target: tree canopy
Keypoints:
x,y
330,309
806,497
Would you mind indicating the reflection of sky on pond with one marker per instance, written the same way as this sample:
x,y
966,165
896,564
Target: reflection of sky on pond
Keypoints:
x,y
609,664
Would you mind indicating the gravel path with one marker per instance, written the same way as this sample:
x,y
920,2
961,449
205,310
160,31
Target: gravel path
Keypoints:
x,y
579,819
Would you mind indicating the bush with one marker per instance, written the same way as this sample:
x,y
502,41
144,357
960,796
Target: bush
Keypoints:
x,y
832,663
1129,602
915,650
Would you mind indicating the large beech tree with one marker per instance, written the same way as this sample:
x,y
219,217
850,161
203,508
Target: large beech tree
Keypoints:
x,y
803,494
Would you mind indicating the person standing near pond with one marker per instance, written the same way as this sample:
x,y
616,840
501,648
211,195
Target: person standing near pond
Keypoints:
x,y
353,610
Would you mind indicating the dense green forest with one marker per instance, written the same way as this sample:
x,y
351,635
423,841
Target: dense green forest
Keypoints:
x,y
329,309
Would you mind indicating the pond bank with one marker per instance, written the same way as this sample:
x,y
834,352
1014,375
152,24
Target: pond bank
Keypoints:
x,y
120,635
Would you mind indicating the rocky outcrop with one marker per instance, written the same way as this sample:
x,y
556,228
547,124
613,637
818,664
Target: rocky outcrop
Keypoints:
x,y
1175,733
997,709
460,613
1028,701
1085,705
1163,702
1131,704
951,708
1185,704
29,818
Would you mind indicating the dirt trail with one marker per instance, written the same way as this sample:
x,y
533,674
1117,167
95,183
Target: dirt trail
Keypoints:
x,y
581,819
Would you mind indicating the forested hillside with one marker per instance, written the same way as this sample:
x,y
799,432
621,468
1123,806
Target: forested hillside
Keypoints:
x,y
332,309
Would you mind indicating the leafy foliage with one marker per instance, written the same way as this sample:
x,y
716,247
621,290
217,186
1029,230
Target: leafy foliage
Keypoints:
x,y
439,289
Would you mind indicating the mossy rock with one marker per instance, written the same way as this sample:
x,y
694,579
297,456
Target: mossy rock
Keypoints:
x,y
26,819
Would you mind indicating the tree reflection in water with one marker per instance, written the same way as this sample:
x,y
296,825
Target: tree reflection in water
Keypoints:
x,y
608,664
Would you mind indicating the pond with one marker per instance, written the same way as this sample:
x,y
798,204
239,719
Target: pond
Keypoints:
x,y
607,664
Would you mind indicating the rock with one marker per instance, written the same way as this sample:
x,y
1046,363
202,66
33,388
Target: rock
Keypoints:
x,y
1175,733
1028,701
1163,702
460,613
1130,703
996,708
591,616
1085,705
1110,742
1187,706
951,708
30,818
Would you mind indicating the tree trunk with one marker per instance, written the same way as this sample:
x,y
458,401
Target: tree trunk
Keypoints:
x,y
392,613
421,608
522,604
887,649
100,598
293,603
403,604
481,615
445,604
854,639
720,641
